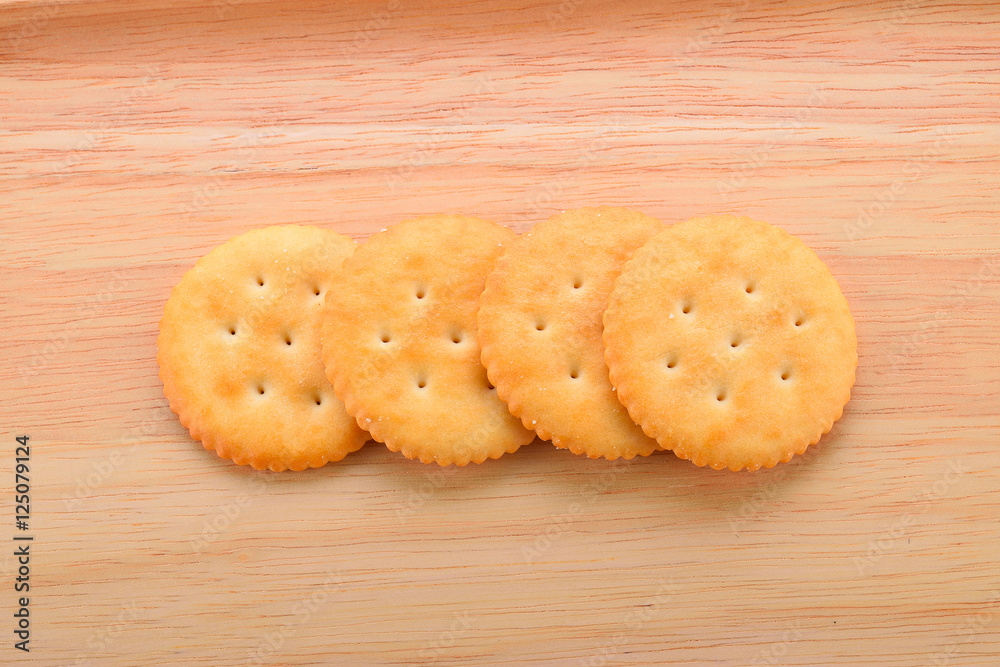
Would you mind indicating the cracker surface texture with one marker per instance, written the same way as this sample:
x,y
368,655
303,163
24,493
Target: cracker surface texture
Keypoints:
x,y
540,325
240,350
399,341
730,342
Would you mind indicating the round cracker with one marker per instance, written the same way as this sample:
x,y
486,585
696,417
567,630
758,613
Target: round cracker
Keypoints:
x,y
540,324
239,350
730,342
399,341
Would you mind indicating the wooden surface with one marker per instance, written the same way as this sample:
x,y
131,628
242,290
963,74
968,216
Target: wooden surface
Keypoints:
x,y
137,136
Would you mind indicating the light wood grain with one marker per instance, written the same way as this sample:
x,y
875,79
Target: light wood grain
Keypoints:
x,y
136,136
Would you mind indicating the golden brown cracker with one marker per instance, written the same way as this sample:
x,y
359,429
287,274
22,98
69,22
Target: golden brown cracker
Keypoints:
x,y
240,350
399,341
730,342
540,325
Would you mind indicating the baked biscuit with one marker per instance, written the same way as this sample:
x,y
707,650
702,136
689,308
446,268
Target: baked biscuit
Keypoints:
x,y
730,342
540,325
239,350
399,341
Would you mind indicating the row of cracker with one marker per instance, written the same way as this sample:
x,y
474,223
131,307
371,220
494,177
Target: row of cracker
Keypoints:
x,y
452,340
